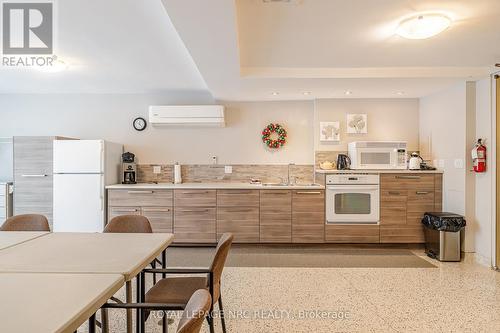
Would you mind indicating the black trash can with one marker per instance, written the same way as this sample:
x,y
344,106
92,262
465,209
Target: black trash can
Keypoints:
x,y
442,235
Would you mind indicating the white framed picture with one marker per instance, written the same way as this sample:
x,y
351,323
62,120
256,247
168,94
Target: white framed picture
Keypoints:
x,y
357,123
329,131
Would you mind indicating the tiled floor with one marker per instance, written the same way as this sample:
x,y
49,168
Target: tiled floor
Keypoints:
x,y
454,297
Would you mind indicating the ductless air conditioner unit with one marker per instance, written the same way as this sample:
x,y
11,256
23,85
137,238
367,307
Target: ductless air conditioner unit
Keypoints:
x,y
187,115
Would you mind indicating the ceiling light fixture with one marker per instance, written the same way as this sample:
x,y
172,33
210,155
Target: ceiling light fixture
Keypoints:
x,y
400,93
423,26
348,92
306,93
275,93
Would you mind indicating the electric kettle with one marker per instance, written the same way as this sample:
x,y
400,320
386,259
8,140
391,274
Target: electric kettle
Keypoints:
x,y
343,162
415,161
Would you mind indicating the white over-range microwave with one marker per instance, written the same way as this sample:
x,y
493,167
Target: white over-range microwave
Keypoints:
x,y
377,154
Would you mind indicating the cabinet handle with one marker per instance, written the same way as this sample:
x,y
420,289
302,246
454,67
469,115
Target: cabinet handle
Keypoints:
x,y
408,177
393,193
196,192
140,192
240,210
34,176
126,210
422,192
308,192
194,210
238,192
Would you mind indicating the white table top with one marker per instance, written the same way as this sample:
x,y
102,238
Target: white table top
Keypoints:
x,y
11,238
41,302
112,253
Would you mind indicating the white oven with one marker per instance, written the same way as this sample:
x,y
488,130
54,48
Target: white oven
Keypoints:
x,y
377,154
352,198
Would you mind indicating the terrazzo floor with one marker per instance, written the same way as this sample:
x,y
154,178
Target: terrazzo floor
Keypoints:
x,y
451,297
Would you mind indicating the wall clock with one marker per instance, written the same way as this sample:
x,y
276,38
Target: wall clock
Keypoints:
x,y
140,124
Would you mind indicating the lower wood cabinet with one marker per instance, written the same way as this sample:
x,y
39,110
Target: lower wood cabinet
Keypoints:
x,y
194,224
275,216
308,216
161,218
343,233
242,222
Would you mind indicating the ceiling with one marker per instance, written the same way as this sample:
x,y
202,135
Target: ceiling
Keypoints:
x,y
112,46
248,49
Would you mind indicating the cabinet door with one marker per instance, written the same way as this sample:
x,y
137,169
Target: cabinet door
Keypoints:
x,y
275,216
308,216
242,222
419,202
118,211
194,224
195,198
238,198
401,234
148,198
344,233
33,176
393,207
159,217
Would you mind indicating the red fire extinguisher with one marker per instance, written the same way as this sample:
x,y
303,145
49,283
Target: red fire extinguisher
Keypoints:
x,y
479,156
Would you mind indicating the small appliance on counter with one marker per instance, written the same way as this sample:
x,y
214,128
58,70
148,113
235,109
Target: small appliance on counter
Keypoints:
x,y
129,168
343,162
415,161
327,165
378,155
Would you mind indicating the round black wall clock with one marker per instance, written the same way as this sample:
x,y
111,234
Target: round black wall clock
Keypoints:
x,y
140,124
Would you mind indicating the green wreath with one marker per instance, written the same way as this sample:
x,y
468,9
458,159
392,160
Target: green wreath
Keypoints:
x,y
274,143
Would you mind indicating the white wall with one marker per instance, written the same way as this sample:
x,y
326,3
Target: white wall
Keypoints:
x,y
388,119
110,117
447,133
484,181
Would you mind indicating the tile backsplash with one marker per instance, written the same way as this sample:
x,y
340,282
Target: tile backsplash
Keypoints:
x,y
242,173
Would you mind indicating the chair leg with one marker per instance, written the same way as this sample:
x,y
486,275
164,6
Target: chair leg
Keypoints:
x,y
211,323
153,265
222,319
164,322
104,321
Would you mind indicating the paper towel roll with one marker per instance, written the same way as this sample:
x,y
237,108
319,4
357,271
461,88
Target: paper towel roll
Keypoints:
x,y
177,174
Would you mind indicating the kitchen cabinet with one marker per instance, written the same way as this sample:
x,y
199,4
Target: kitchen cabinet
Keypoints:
x,y
33,176
308,216
275,216
404,198
238,213
195,214
156,205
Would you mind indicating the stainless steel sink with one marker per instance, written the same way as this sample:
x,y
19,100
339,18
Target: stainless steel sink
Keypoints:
x,y
274,184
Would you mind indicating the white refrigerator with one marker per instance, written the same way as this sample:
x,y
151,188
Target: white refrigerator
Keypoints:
x,y
82,169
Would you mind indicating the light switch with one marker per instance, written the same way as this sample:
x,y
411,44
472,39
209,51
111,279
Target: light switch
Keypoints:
x,y
157,169
228,169
458,163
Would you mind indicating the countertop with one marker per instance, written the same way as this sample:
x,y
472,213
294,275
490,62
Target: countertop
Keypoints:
x,y
378,171
215,186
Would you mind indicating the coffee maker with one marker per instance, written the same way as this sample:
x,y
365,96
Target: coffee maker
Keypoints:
x,y
129,168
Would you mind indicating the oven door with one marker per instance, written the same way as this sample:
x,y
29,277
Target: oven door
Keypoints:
x,y
352,204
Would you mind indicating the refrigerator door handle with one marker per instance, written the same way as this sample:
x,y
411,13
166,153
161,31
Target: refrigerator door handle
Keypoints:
x,y
102,193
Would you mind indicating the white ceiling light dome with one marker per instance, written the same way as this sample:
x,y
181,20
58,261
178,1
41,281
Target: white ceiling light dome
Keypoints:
x,y
423,26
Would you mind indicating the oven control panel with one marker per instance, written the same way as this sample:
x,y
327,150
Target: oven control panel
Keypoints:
x,y
350,179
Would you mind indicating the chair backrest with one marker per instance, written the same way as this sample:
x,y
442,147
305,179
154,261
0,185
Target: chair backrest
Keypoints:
x,y
219,261
195,312
26,222
129,224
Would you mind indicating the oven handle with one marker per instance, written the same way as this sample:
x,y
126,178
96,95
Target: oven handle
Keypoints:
x,y
342,188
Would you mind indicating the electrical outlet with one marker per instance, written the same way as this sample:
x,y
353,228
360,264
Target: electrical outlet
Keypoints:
x,y
157,169
214,159
228,169
458,163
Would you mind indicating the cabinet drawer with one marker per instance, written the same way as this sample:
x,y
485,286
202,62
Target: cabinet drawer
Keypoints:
x,y
190,198
407,181
352,233
419,202
248,198
401,234
139,197
308,201
276,202
308,227
393,206
118,211
194,225
161,218
243,222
